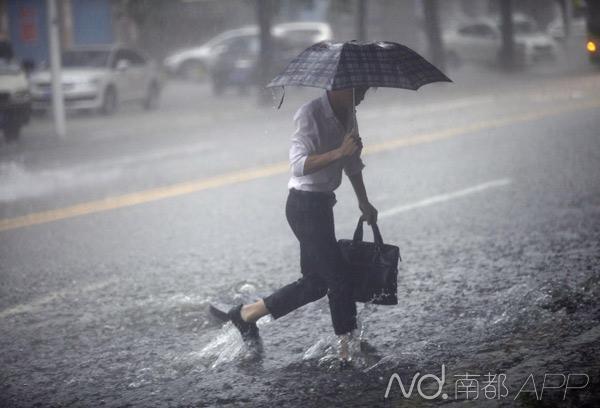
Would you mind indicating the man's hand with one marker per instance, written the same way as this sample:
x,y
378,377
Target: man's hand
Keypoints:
x,y
354,133
369,213
350,145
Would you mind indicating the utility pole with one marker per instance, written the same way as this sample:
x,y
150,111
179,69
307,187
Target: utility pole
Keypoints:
x,y
58,104
434,36
361,18
264,10
507,53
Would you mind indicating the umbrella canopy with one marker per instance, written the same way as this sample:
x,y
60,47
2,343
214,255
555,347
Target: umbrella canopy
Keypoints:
x,y
352,64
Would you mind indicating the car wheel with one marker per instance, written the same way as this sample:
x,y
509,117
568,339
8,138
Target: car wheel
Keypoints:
x,y
12,130
192,70
152,96
110,101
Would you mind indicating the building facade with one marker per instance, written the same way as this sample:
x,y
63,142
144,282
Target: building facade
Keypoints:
x,y
82,22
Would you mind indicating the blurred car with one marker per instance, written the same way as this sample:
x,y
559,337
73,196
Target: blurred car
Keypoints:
x,y
194,63
100,78
15,100
481,41
556,28
234,64
237,64
303,34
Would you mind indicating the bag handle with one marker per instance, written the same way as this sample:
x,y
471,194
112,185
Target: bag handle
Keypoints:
x,y
358,232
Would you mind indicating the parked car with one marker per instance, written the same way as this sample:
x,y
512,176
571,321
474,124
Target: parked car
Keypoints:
x,y
100,78
481,41
194,63
15,100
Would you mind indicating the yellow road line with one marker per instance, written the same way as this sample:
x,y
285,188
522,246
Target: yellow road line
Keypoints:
x,y
476,126
141,197
188,187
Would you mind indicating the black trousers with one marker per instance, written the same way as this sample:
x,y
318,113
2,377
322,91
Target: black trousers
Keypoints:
x,y
310,215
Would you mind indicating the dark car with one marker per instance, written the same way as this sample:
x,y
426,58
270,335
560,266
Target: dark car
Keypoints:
x,y
237,65
15,99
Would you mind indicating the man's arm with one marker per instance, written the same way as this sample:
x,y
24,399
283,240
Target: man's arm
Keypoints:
x,y
369,212
359,187
315,162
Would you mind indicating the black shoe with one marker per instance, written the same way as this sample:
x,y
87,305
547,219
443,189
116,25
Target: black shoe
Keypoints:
x,y
218,313
249,331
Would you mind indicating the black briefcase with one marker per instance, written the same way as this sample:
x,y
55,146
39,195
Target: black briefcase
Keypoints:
x,y
373,267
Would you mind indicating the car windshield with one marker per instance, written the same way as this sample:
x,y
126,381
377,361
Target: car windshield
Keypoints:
x,y
85,59
216,40
224,38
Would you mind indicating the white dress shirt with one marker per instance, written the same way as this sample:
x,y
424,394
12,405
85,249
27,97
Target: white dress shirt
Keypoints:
x,y
318,130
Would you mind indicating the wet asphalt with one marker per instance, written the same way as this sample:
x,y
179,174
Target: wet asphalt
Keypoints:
x,y
492,195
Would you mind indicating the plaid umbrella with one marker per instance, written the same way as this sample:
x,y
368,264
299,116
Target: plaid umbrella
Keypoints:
x,y
354,64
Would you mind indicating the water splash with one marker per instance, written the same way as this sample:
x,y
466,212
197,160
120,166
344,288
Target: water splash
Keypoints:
x,y
17,182
327,349
228,347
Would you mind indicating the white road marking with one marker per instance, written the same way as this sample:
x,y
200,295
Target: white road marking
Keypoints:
x,y
445,197
435,200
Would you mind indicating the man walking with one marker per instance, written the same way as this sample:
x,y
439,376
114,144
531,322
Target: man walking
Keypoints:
x,y
325,144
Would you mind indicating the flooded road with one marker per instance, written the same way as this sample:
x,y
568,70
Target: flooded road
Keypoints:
x,y
495,206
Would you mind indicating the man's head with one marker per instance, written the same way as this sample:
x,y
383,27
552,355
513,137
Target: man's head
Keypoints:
x,y
344,96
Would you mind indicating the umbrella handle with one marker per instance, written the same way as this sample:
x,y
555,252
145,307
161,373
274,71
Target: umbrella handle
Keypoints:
x,y
353,109
282,96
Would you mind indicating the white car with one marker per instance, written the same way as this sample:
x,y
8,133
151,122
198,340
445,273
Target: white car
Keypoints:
x,y
194,63
100,78
481,41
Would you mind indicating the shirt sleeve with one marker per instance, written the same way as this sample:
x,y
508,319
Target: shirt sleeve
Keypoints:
x,y
353,165
303,141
